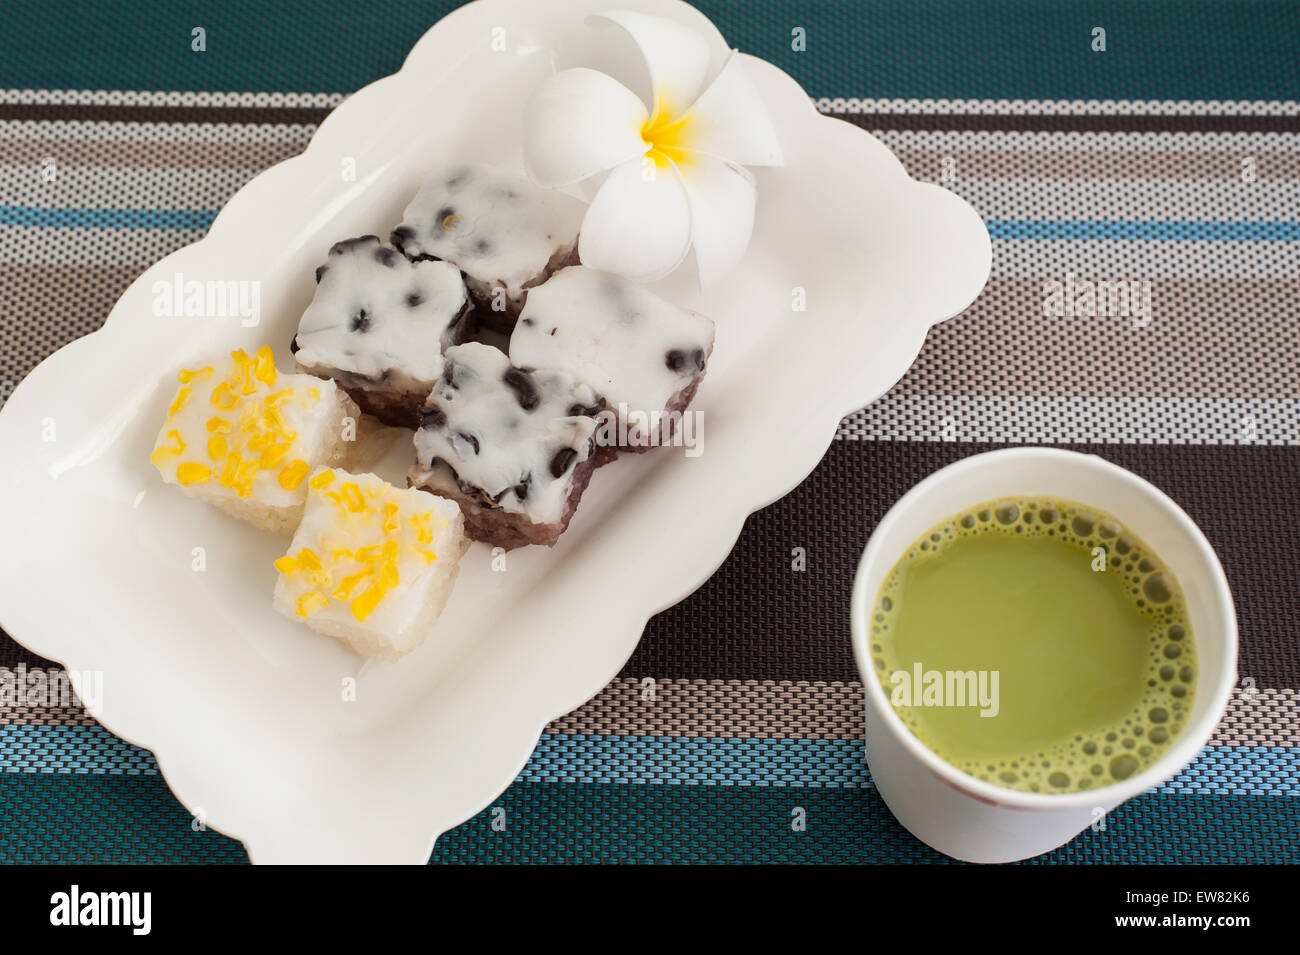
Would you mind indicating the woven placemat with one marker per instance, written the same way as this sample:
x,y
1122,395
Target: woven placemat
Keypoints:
x,y
1169,161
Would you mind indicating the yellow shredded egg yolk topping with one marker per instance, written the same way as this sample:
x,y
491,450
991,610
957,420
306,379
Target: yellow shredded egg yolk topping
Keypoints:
x,y
365,539
246,428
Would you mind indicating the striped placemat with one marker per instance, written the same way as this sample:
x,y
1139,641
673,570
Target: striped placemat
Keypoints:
x,y
1165,165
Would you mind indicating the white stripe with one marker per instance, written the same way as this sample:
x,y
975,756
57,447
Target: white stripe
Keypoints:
x,y
851,104
956,140
121,187
1076,420
185,98
118,132
1129,199
1144,259
1085,199
1060,107
1012,258
23,245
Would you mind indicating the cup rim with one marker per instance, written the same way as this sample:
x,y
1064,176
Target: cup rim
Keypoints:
x,y
1184,749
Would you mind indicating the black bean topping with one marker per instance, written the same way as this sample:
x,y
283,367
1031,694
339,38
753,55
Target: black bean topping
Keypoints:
x,y
360,322
431,416
401,235
682,362
586,411
521,383
386,256
414,299
562,461
469,439
321,270
521,489
347,245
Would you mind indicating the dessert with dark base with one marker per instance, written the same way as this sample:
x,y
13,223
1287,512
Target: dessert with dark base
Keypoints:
x,y
506,234
513,448
644,356
378,326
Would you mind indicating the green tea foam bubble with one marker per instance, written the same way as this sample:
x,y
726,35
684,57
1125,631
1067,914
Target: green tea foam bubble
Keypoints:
x,y
1084,626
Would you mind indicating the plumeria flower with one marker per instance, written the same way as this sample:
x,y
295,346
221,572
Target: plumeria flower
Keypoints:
x,y
674,168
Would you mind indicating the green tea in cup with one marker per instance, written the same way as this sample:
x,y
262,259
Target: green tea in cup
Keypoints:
x,y
1036,644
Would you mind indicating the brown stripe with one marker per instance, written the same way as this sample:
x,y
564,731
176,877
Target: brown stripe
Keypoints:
x,y
52,305
766,709
30,704
49,112
1079,164
155,155
1207,338
1018,122
726,708
752,709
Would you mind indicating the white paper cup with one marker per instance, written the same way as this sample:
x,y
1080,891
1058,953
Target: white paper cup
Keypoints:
x,y
954,812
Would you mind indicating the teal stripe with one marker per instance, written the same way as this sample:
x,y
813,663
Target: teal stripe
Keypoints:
x,y
1142,230
661,760
607,823
1163,49
103,819
40,216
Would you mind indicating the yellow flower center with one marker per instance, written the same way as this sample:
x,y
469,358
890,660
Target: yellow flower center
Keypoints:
x,y
665,135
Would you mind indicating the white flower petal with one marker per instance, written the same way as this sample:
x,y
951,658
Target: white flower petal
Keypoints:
x,y
639,224
676,56
722,198
578,123
730,121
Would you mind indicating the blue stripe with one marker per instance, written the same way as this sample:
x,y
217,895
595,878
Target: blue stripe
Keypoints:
x,y
699,761
1137,229
71,749
664,760
998,228
107,218
819,763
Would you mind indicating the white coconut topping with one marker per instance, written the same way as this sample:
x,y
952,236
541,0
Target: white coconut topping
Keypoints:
x,y
381,317
500,229
627,344
517,437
